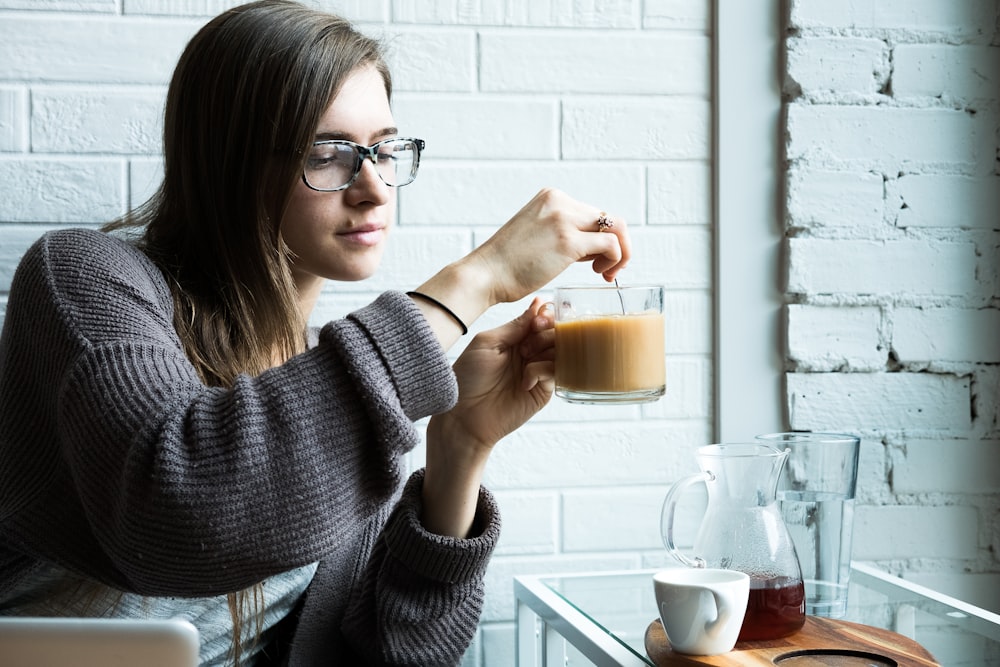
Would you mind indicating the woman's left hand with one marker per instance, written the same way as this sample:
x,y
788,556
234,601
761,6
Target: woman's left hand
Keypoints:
x,y
505,376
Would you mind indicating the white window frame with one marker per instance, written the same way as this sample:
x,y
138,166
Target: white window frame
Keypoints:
x,y
746,204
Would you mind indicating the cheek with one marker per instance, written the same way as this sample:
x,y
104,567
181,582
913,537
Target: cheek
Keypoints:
x,y
304,215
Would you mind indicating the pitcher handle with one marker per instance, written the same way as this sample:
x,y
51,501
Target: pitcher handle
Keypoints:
x,y
667,516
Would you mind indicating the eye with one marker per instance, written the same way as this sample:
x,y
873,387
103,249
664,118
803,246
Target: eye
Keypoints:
x,y
331,156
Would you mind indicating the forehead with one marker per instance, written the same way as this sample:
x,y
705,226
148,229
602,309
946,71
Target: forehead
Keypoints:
x,y
360,111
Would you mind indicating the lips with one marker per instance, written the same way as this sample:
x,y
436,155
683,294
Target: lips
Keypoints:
x,y
367,234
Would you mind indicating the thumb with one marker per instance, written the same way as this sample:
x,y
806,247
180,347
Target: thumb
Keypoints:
x,y
521,326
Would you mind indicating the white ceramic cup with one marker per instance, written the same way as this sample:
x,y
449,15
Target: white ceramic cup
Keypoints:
x,y
701,609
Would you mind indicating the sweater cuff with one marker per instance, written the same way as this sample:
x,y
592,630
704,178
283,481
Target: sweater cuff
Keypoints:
x,y
408,347
438,557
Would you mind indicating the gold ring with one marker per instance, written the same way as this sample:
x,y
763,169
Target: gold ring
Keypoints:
x,y
604,223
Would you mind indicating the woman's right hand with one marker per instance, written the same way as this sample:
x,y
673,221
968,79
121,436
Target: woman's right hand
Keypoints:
x,y
551,232
548,234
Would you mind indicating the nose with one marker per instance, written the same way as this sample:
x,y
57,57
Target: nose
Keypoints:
x,y
368,186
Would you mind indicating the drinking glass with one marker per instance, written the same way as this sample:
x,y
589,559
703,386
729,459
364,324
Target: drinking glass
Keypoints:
x,y
816,494
610,344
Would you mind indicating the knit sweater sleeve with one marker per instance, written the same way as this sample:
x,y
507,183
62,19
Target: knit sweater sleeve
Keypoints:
x,y
118,463
416,600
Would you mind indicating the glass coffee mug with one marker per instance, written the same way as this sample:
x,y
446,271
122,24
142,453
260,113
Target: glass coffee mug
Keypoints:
x,y
610,344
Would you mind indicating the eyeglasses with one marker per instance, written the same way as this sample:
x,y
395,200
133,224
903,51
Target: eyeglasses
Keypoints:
x,y
335,165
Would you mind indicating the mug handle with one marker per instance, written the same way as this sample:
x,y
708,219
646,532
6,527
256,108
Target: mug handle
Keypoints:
x,y
668,512
723,610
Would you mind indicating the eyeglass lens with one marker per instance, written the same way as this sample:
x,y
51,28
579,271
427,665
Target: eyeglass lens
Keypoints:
x,y
332,165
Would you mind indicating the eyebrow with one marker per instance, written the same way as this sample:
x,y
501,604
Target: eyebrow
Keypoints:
x,y
347,136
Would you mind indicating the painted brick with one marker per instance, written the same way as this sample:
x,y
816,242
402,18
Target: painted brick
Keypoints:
x,y
14,242
689,388
819,198
869,401
144,176
676,15
679,193
415,58
928,200
204,8
946,334
968,18
529,523
481,127
842,64
538,13
77,120
677,257
559,412
13,119
883,138
70,189
941,70
105,6
671,129
873,472
946,466
547,62
91,50
827,338
859,267
904,531
611,519
489,193
355,10
619,453
626,519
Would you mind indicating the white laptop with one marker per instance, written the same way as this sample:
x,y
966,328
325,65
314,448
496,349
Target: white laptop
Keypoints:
x,y
97,642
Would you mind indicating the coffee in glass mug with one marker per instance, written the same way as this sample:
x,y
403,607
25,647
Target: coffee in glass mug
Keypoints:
x,y
610,344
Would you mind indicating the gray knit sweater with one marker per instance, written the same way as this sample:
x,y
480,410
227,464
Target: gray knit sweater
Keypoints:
x,y
118,464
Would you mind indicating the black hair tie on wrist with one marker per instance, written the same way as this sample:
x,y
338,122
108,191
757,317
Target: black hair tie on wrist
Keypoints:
x,y
443,307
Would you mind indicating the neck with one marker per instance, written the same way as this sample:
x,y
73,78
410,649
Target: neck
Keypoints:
x,y
309,291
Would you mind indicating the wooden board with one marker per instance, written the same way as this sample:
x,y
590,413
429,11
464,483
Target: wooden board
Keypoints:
x,y
820,642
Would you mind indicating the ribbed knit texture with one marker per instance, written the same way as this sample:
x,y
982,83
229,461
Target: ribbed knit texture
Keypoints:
x,y
118,464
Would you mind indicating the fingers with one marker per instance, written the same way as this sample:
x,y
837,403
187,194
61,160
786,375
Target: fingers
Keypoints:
x,y
614,246
605,238
539,374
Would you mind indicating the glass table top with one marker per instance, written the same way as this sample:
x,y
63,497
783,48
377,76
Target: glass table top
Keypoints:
x,y
956,633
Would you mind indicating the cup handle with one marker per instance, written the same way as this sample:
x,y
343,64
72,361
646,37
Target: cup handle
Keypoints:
x,y
723,610
668,512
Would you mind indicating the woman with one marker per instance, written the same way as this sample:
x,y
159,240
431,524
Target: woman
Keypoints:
x,y
174,440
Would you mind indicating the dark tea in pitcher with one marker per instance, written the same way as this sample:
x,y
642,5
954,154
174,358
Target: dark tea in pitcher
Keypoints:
x,y
776,608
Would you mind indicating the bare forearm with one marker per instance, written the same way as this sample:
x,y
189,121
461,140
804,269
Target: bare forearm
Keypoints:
x,y
452,479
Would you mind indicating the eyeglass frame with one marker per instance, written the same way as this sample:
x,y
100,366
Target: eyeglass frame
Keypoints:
x,y
365,153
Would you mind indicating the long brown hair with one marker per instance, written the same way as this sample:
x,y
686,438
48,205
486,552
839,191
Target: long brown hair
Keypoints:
x,y
242,109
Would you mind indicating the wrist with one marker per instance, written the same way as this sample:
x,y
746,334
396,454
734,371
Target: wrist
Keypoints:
x,y
463,287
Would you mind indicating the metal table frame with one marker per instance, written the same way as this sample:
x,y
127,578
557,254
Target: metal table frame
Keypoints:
x,y
546,620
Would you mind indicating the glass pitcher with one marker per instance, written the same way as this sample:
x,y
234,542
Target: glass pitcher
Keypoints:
x,y
743,530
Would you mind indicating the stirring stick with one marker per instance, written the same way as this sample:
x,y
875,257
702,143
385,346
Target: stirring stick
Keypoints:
x,y
620,297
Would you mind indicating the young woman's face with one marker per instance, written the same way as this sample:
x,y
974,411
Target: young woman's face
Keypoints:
x,y
341,235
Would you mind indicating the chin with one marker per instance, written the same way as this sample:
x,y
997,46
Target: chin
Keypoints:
x,y
352,274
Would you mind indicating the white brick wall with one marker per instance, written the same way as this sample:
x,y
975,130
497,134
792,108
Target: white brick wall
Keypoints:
x,y
618,115
893,225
